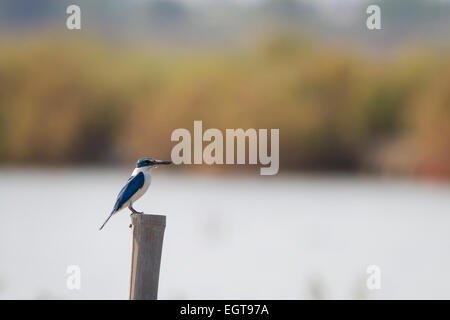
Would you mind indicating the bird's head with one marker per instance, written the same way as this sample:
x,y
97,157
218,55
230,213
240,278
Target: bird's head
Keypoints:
x,y
149,162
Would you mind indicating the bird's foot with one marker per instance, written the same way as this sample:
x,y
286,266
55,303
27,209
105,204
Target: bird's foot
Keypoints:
x,y
135,212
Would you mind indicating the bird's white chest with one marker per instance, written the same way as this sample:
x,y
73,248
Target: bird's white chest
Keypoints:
x,y
147,181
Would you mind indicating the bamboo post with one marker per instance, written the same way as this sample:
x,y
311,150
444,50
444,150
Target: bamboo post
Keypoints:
x,y
147,240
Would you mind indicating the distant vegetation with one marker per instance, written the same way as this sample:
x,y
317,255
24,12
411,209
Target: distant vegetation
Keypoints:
x,y
80,102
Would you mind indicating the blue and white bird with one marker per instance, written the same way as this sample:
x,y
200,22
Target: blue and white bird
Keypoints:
x,y
136,186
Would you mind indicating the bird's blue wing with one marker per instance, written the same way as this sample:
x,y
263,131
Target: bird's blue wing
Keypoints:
x,y
132,186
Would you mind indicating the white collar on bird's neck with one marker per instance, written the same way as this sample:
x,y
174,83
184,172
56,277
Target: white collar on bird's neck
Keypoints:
x,y
144,170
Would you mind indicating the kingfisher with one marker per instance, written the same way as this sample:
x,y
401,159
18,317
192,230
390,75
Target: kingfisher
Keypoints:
x,y
136,186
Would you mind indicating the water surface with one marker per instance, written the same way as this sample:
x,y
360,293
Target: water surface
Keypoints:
x,y
226,237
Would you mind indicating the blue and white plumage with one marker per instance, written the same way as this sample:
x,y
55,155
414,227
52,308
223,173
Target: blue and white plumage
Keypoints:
x,y
136,186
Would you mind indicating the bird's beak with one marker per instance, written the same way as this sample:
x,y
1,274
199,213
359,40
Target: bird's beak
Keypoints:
x,y
162,162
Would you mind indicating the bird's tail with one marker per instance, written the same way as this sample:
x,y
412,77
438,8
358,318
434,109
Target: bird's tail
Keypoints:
x,y
109,217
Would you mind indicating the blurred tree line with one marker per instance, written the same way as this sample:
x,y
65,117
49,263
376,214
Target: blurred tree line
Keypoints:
x,y
82,102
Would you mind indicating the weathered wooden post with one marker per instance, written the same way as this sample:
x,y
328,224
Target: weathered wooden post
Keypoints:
x,y
148,233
